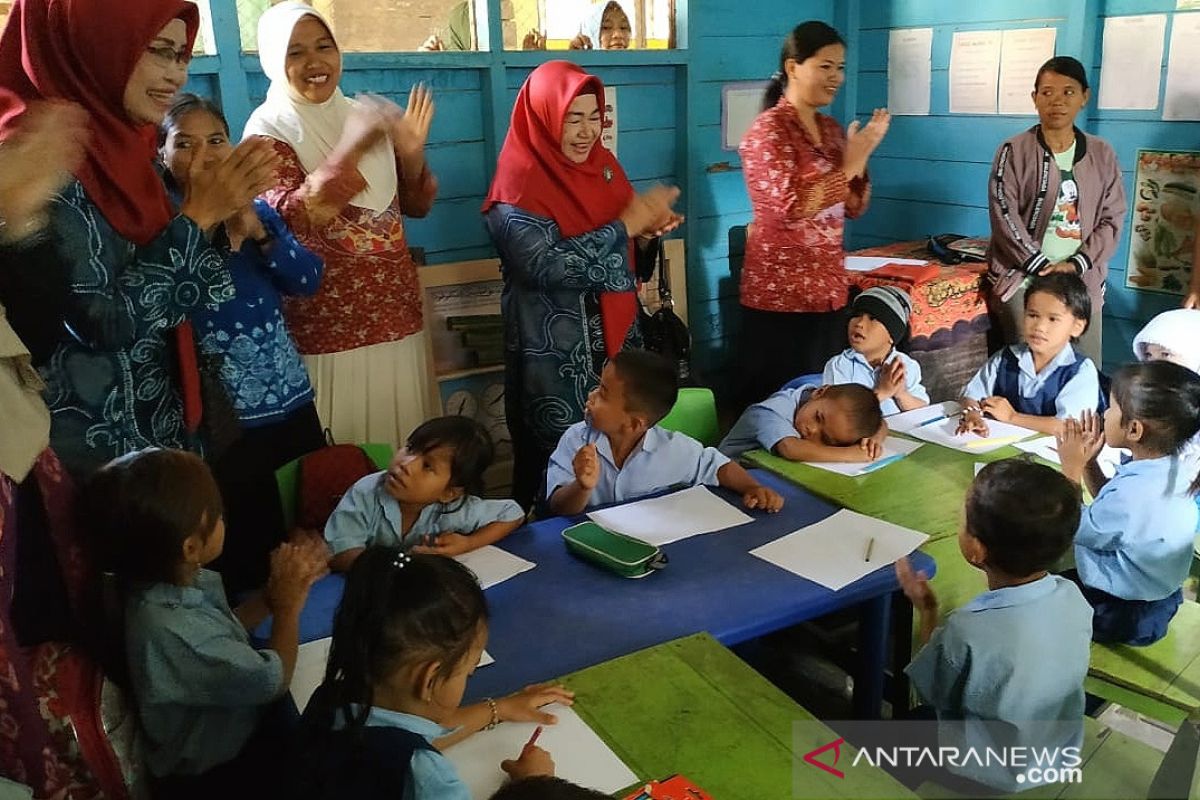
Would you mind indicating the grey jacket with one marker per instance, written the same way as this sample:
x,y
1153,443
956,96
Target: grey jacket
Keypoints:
x,y
1022,190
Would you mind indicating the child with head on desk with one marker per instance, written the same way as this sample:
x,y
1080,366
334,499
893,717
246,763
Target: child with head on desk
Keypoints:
x,y
1040,382
408,634
202,689
878,323
427,500
1135,541
812,423
989,661
619,452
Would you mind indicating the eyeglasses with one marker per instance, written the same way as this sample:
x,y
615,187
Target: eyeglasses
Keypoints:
x,y
168,56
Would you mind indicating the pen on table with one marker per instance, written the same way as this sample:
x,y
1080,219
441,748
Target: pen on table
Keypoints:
x,y
883,462
870,547
939,418
532,739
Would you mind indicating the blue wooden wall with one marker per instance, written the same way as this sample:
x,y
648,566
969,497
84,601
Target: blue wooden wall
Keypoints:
x,y
930,174
669,129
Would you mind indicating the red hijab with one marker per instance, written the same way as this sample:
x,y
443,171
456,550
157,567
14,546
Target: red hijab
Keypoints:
x,y
533,173
77,50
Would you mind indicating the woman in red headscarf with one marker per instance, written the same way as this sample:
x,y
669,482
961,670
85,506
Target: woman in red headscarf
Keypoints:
x,y
136,268
566,222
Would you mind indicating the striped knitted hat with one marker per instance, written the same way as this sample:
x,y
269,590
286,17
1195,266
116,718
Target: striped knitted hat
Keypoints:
x,y
890,306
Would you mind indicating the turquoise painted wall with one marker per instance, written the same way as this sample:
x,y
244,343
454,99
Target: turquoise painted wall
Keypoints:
x,y
930,174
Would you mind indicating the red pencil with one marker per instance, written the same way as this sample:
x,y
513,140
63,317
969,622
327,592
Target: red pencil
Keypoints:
x,y
532,739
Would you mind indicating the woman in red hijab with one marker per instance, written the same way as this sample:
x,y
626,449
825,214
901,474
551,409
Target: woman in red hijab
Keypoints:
x,y
568,227
136,268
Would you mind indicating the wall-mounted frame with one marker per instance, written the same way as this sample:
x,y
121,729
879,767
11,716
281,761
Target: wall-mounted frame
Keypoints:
x,y
740,103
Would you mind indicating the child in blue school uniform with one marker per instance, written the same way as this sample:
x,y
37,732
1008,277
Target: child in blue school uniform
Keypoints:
x,y
1014,658
205,696
1041,381
427,500
1135,541
878,323
546,788
619,453
407,636
812,423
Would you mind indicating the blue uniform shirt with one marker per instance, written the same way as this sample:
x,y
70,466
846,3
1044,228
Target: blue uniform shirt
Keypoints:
x,y
851,366
662,459
200,686
431,775
1135,541
1080,394
368,515
1017,655
765,424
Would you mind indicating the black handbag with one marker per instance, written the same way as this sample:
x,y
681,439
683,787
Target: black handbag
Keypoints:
x,y
663,332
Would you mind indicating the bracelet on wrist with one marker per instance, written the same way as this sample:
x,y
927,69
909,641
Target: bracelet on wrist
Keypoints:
x,y
491,726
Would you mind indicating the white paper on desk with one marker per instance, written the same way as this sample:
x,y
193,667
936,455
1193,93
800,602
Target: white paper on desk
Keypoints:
x,y
1046,447
892,446
832,552
1182,98
492,565
1022,53
579,755
311,660
905,421
910,68
1131,66
666,519
944,433
870,263
974,71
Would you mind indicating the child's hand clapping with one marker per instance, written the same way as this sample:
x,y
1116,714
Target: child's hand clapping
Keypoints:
x,y
1079,442
767,499
526,705
892,379
294,569
587,467
916,588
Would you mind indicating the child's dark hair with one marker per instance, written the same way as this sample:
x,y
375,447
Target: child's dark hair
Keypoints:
x,y
799,46
1066,66
1165,398
544,787
472,446
651,382
1024,513
1068,288
860,406
141,507
185,103
397,609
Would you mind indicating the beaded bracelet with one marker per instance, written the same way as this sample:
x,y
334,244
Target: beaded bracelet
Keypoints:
x,y
495,715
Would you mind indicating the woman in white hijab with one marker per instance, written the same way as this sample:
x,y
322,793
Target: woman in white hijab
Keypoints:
x,y
350,170
608,26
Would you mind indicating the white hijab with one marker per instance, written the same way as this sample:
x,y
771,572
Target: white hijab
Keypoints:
x,y
1177,330
595,19
313,130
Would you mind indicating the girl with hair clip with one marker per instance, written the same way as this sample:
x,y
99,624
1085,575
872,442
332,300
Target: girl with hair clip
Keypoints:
x,y
805,175
407,635
1134,544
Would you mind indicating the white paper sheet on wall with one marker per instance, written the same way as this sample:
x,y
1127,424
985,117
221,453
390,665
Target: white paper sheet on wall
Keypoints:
x,y
1022,53
910,68
741,103
1182,99
974,71
1131,63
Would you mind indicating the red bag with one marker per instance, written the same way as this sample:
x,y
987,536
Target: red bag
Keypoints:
x,y
326,475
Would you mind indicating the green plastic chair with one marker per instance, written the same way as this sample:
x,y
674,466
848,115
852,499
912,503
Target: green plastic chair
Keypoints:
x,y
694,414
287,476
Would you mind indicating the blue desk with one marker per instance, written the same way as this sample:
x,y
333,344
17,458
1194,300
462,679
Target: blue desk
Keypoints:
x,y
566,614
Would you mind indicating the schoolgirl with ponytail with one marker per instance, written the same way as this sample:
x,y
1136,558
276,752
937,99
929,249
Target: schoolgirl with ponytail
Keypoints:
x,y
1135,541
408,634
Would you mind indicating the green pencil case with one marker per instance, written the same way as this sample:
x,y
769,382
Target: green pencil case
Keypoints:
x,y
616,552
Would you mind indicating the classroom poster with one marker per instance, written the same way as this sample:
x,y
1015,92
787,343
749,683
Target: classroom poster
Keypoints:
x,y
1131,64
608,136
1166,192
1181,100
974,71
1022,53
910,70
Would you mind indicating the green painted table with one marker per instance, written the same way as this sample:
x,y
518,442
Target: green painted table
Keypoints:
x,y
694,708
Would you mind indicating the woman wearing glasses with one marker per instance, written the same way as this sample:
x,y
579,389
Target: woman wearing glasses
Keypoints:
x,y
123,375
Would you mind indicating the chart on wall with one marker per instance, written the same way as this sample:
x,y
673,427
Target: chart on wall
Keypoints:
x,y
1166,207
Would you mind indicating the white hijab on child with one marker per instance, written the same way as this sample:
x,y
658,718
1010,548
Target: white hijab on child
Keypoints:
x,y
313,129
594,20
1178,331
